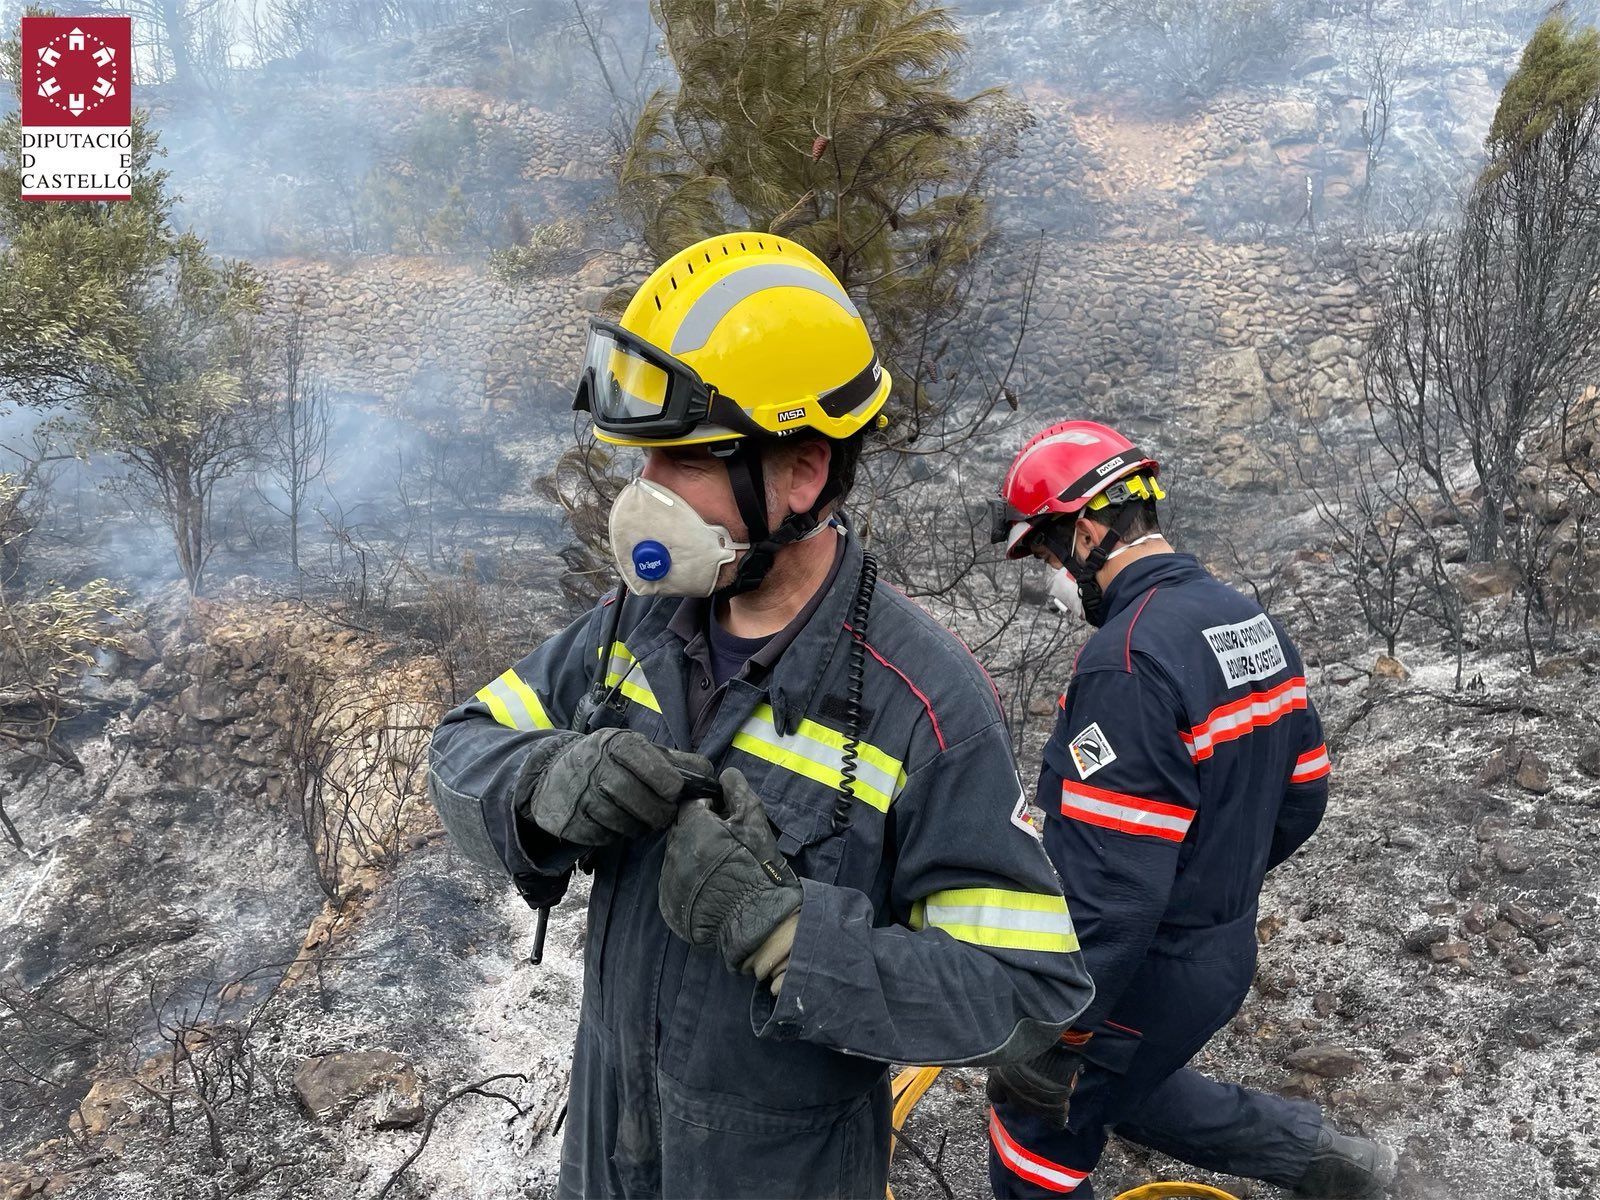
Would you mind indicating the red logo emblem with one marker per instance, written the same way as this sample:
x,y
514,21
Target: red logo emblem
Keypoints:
x,y
77,70
77,114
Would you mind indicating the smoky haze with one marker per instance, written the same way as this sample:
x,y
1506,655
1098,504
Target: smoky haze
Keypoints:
x,y
1194,243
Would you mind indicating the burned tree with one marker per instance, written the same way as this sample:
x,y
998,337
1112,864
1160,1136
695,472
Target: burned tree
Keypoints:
x,y
48,638
1489,333
297,427
1484,339
355,758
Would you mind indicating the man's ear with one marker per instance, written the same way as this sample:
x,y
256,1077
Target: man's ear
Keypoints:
x,y
1088,534
808,474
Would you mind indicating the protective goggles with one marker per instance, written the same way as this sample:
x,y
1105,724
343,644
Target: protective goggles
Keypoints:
x,y
1002,516
634,389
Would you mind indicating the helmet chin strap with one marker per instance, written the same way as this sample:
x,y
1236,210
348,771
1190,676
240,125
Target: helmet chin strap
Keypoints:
x,y
746,475
1087,570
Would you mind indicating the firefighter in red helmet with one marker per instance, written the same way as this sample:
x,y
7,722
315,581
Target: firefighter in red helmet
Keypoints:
x,y
1187,760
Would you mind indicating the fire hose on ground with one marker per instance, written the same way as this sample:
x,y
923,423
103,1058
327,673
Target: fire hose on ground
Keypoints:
x,y
912,1083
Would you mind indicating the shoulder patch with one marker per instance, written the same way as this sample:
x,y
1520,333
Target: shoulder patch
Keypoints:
x,y
1025,817
1247,651
1091,750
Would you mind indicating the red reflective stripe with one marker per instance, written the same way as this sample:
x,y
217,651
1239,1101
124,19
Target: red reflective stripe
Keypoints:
x,y
1052,1176
1128,814
1222,725
1313,764
1127,801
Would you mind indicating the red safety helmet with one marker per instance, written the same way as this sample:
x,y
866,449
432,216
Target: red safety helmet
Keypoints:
x,y
1062,470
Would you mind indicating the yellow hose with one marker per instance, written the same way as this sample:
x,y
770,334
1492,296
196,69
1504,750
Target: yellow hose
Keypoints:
x,y
908,1087
912,1083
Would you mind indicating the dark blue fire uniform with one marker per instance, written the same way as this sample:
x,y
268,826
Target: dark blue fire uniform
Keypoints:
x,y
1186,762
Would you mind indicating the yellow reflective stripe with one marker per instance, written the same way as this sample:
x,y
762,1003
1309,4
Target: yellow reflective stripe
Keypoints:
x,y
513,703
497,707
1003,919
817,752
620,669
640,693
530,700
866,752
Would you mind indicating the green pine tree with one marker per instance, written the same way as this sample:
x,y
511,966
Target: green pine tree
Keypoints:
x,y
835,123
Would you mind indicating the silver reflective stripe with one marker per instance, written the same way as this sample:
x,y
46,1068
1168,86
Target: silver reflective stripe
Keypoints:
x,y
721,297
878,777
525,712
992,917
1072,437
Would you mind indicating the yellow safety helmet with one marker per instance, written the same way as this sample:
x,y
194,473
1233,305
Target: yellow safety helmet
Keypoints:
x,y
746,335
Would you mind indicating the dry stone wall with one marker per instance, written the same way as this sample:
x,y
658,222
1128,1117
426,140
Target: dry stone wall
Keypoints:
x,y
1105,314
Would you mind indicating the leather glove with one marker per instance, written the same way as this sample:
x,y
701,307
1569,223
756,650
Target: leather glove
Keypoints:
x,y
1041,1087
723,881
609,786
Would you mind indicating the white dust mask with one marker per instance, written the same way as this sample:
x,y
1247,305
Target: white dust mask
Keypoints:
x,y
663,547
1063,593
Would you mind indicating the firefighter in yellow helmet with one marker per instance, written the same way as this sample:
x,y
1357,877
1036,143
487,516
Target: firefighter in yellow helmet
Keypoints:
x,y
795,791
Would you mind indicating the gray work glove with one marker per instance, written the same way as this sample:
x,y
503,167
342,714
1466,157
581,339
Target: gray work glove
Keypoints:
x,y
610,786
1041,1087
723,882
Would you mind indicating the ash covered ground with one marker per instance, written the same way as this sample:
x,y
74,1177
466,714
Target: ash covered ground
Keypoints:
x,y
187,1008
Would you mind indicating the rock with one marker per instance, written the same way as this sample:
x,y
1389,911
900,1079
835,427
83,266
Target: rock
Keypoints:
x,y
399,1103
1485,581
137,647
1424,938
1476,920
17,1182
1326,349
331,1084
1589,760
1519,917
1496,768
1502,933
1516,964
1314,63
1386,667
1288,121
202,704
1450,951
1512,858
1327,1061
1410,1047
1324,1004
105,1107
1532,774
1238,377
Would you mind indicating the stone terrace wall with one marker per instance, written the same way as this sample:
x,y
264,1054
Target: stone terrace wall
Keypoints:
x,y
1105,314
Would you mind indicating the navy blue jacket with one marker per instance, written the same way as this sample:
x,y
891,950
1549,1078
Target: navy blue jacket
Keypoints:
x,y
1187,760
932,928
